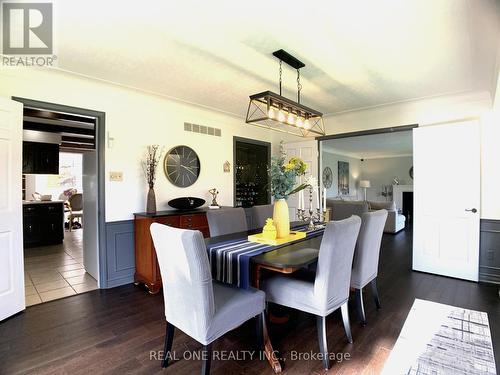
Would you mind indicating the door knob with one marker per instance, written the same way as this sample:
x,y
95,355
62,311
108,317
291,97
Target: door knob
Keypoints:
x,y
473,210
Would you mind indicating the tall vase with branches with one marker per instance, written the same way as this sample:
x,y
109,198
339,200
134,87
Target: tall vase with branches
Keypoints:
x,y
150,166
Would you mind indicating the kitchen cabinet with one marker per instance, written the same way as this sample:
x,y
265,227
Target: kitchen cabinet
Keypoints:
x,y
43,223
40,158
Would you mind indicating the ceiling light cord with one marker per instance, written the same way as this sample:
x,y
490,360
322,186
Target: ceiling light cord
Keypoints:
x,y
299,86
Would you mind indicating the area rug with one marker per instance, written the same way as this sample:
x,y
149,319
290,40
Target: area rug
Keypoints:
x,y
442,339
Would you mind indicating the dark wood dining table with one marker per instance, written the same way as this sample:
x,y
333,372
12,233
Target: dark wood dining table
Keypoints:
x,y
286,259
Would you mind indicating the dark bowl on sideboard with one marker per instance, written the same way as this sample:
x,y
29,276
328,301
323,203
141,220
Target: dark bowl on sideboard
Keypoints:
x,y
186,203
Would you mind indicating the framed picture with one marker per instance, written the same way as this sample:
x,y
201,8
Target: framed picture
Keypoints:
x,y
343,177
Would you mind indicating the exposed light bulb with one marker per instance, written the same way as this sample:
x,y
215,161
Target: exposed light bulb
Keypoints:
x,y
281,116
307,125
291,118
271,113
299,122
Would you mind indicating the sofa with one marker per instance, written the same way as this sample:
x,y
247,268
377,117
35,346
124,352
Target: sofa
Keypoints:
x,y
395,221
341,209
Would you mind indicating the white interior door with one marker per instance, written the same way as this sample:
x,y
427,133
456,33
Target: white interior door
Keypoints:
x,y
307,151
446,161
11,219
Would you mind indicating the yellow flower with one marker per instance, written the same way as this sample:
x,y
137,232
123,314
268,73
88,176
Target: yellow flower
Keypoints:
x,y
289,167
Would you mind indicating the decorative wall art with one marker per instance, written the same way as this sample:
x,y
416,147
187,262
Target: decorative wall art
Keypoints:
x,y
343,177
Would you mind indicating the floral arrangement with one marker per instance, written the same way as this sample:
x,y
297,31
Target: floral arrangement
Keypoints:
x,y
283,175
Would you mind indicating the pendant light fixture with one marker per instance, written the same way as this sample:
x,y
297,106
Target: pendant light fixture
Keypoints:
x,y
273,111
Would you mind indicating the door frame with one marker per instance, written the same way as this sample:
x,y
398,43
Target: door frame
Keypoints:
x,y
100,138
255,142
391,129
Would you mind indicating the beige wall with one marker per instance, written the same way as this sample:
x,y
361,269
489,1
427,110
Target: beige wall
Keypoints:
x,y
136,119
381,172
428,112
331,160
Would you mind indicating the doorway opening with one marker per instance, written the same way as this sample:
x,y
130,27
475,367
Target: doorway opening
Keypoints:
x,y
63,200
364,172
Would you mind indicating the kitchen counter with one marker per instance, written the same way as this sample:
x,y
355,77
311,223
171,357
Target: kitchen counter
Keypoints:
x,y
42,202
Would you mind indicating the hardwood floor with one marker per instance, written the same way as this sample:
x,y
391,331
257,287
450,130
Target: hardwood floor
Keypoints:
x,y
113,331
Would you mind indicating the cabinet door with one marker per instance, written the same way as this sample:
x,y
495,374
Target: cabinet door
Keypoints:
x,y
28,157
31,229
47,158
52,228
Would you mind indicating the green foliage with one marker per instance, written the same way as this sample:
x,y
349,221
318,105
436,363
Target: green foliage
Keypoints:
x,y
283,175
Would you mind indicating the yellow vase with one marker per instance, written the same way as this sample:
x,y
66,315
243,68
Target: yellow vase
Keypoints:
x,y
281,218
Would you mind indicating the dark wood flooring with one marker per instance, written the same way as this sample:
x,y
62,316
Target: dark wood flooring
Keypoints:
x,y
113,331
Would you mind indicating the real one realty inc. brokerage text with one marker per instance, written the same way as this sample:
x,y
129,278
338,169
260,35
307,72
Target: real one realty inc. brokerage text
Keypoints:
x,y
243,355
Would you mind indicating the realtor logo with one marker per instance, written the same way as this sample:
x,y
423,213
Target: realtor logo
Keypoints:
x,y
27,28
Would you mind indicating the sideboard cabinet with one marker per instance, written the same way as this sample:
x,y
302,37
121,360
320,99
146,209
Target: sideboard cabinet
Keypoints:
x,y
147,271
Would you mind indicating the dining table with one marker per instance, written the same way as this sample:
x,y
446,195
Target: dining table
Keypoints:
x,y
237,261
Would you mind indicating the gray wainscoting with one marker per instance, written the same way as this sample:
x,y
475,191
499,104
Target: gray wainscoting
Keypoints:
x,y
119,253
489,258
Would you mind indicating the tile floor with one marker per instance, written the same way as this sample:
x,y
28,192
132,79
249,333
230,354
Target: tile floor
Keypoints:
x,y
53,272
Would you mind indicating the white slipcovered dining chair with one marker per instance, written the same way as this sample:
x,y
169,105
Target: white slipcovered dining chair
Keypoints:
x,y
328,289
226,221
259,215
201,308
366,255
75,208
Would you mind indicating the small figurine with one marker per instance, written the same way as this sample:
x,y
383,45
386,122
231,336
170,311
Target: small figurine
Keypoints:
x,y
214,204
269,230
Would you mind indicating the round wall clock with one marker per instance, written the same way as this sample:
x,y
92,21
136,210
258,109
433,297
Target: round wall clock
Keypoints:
x,y
182,166
327,177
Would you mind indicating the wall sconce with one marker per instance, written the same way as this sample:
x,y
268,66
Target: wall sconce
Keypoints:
x,y
227,167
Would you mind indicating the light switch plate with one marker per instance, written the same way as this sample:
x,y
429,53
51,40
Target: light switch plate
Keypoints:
x,y
115,176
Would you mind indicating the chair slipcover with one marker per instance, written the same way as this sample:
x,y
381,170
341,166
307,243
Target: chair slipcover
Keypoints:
x,y
193,303
329,289
365,265
260,214
226,221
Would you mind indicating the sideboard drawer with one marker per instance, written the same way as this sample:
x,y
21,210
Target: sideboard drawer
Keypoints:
x,y
171,221
196,221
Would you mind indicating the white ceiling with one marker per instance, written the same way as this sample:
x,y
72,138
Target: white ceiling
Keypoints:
x,y
372,146
216,53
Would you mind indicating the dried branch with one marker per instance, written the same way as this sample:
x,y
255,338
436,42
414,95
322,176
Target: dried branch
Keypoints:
x,y
151,162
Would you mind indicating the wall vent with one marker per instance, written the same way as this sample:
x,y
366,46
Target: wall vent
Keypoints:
x,y
202,129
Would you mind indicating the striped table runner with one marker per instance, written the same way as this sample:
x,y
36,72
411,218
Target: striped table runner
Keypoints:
x,y
230,260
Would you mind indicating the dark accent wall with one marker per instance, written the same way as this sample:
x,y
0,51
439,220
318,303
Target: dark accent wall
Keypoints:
x,y
489,257
120,254
120,257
